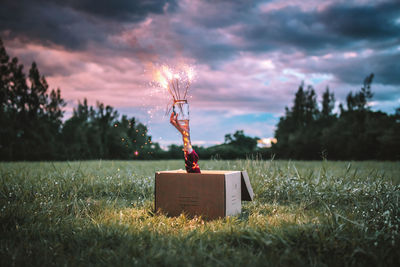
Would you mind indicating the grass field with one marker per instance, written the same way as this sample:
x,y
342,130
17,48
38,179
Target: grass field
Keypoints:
x,y
101,213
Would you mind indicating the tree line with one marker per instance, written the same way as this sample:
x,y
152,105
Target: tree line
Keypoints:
x,y
355,132
32,127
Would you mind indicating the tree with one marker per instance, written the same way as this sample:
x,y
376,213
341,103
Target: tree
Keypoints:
x,y
311,111
94,133
6,133
328,103
32,116
5,79
240,141
359,100
296,131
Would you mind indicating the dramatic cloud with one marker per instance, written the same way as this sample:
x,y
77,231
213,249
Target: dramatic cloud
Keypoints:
x,y
72,23
250,56
120,10
342,26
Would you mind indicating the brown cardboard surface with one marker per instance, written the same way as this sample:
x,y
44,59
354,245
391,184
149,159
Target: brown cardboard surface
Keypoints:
x,y
210,194
193,194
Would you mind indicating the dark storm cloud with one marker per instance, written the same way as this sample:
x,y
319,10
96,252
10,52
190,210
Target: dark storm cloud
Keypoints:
x,y
386,68
338,26
121,10
50,25
48,65
388,94
363,22
204,45
219,30
223,13
286,28
72,23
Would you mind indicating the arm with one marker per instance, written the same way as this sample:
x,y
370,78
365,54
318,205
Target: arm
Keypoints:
x,y
191,156
184,130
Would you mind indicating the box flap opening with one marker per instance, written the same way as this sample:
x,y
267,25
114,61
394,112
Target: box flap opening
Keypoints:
x,y
247,190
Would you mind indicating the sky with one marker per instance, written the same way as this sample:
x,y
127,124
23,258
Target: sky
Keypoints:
x,y
249,56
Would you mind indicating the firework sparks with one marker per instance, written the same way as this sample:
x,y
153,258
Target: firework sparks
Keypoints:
x,y
176,82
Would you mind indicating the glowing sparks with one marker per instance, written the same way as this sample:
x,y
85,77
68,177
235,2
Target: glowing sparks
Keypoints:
x,y
174,81
177,82
190,73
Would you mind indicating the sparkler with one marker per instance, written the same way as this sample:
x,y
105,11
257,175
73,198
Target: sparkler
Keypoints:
x,y
177,83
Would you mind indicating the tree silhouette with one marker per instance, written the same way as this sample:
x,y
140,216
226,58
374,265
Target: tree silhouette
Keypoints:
x,y
359,100
30,116
358,133
328,103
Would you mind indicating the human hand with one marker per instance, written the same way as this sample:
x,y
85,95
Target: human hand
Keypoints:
x,y
182,128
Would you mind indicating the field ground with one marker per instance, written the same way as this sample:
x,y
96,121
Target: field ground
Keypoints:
x,y
101,213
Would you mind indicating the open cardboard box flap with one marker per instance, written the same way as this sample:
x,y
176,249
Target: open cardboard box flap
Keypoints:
x,y
247,190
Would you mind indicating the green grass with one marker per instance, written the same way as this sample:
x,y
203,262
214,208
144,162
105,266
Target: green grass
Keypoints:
x,y
101,213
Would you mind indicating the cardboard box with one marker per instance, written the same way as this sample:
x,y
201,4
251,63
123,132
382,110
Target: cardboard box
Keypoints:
x,y
210,194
